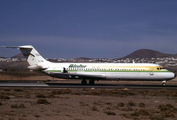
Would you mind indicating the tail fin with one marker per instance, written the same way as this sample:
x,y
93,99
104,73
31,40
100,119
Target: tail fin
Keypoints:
x,y
35,60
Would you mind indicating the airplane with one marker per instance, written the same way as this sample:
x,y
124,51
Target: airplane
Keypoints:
x,y
95,71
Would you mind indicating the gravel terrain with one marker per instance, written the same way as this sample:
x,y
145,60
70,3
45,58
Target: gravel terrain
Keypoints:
x,y
87,104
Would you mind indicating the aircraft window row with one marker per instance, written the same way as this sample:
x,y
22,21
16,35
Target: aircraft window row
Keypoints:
x,y
105,69
160,68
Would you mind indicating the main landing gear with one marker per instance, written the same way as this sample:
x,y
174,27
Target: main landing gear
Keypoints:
x,y
91,82
84,82
164,83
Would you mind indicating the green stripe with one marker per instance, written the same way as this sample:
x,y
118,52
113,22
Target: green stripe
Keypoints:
x,y
112,71
104,71
53,70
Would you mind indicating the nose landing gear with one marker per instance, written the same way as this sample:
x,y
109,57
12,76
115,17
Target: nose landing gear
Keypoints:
x,y
164,83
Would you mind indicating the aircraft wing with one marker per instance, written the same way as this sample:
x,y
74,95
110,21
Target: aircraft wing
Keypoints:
x,y
18,47
76,76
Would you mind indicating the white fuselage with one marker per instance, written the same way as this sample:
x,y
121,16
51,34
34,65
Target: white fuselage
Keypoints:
x,y
116,71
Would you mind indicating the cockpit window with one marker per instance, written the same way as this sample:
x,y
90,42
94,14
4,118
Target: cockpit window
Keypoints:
x,y
161,67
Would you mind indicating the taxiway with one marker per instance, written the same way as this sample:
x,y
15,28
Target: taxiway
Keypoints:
x,y
102,85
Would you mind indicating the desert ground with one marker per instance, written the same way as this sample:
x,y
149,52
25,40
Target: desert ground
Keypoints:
x,y
18,103
87,104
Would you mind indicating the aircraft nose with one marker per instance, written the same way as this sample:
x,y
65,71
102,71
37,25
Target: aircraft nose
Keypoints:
x,y
174,75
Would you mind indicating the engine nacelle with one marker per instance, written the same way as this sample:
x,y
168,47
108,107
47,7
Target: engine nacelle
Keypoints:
x,y
38,67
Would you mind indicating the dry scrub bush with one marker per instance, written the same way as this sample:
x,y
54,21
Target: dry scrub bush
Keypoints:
x,y
24,115
174,93
27,95
121,92
18,106
94,93
144,92
36,116
163,92
42,101
168,113
83,104
120,104
18,90
84,89
97,103
126,92
4,97
62,91
110,113
141,104
50,95
99,92
112,92
14,106
94,108
156,117
6,89
66,91
142,112
108,103
131,103
128,108
40,96
167,107
6,93
167,110
102,92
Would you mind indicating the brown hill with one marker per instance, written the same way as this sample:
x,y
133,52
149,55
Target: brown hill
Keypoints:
x,y
20,55
146,53
14,65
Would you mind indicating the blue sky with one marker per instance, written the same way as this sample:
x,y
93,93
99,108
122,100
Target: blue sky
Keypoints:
x,y
88,28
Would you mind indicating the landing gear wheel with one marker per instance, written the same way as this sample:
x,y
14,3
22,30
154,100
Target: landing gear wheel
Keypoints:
x,y
91,82
84,82
164,84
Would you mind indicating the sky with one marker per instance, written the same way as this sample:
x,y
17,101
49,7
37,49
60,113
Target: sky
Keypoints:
x,y
88,28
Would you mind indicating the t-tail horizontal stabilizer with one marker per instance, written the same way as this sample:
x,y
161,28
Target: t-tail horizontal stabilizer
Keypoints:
x,y
35,60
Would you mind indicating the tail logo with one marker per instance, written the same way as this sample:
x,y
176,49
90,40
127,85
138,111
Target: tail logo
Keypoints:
x,y
31,55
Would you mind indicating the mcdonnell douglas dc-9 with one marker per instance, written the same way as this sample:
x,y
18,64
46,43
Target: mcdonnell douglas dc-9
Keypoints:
x,y
96,71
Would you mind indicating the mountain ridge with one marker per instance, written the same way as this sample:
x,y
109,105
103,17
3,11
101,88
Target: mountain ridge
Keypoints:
x,y
20,55
147,53
140,53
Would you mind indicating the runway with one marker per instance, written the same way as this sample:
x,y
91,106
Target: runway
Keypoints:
x,y
39,84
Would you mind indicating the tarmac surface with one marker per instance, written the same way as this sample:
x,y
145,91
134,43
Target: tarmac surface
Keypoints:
x,y
98,85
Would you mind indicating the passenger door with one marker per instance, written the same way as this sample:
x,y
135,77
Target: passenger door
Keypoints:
x,y
151,71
